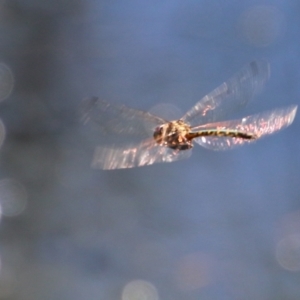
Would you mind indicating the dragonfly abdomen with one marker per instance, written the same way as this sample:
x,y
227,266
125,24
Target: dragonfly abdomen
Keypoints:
x,y
223,133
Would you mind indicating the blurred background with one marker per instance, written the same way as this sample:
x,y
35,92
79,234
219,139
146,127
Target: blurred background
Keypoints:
x,y
220,225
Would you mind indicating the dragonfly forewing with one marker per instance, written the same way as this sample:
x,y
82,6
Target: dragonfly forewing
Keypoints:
x,y
231,96
117,119
143,154
257,125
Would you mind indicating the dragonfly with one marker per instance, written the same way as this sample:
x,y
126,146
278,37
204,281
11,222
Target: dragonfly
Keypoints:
x,y
158,140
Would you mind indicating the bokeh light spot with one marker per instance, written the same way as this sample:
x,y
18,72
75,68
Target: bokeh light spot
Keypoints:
x,y
13,197
288,252
6,81
262,25
139,290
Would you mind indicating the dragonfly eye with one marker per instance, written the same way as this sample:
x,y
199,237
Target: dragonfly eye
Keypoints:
x,y
158,132
158,129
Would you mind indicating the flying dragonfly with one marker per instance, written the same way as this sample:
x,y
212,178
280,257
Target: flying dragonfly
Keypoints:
x,y
160,140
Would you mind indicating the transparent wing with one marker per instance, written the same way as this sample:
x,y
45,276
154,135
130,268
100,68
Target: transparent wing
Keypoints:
x,y
259,125
119,120
143,154
230,96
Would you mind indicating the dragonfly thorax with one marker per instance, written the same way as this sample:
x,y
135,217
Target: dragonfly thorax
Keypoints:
x,y
173,135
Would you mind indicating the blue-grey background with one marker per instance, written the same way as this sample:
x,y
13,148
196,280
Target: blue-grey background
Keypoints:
x,y
220,225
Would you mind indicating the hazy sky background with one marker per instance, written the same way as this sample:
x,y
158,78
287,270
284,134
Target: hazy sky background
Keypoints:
x,y
220,225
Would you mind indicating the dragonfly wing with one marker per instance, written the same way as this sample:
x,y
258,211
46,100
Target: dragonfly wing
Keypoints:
x,y
259,125
143,154
230,96
119,120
